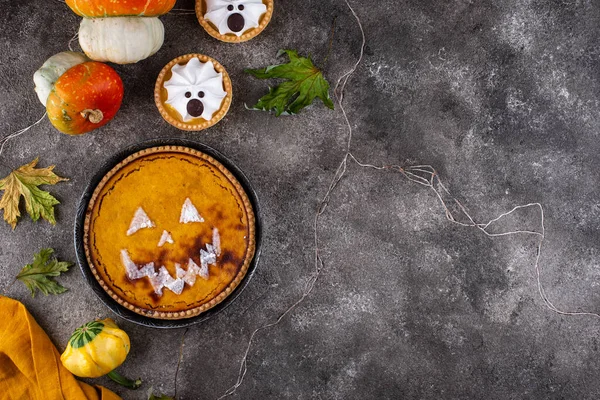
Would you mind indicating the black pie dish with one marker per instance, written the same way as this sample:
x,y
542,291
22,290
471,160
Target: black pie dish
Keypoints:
x,y
112,304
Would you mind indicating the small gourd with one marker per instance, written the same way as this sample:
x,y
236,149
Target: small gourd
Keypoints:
x,y
122,40
120,31
96,349
45,77
79,95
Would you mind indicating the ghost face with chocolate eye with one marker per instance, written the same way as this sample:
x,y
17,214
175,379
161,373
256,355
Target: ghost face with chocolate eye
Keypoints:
x,y
195,90
234,16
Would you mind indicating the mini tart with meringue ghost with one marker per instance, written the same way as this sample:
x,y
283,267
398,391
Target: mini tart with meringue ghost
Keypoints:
x,y
234,21
193,92
169,232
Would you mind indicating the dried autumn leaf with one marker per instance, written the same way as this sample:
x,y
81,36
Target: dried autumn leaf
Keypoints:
x,y
38,276
24,181
304,83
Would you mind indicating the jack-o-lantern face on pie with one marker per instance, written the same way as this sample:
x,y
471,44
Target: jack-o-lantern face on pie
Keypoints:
x,y
170,232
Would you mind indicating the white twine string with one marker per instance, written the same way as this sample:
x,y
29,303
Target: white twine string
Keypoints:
x,y
70,45
431,180
424,175
4,140
310,284
427,176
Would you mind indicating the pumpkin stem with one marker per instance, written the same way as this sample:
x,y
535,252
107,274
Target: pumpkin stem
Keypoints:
x,y
94,116
123,381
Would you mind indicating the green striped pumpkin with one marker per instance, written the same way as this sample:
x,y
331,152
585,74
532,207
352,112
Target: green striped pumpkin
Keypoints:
x,y
85,334
95,349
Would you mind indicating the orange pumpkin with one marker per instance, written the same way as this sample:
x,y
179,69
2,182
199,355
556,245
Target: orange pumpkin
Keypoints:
x,y
84,98
115,8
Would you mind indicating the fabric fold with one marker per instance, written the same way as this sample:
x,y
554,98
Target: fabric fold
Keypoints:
x,y
30,367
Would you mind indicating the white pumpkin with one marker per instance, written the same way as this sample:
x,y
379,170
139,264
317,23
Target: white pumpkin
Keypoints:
x,y
45,77
122,40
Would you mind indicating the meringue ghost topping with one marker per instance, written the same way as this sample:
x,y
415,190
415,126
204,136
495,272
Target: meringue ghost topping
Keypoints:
x,y
195,90
234,16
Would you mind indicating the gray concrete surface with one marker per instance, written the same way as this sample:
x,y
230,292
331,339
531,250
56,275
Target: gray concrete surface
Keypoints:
x,y
502,97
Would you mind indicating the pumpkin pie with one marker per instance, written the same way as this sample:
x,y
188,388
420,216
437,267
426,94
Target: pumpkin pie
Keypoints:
x,y
193,92
234,21
169,232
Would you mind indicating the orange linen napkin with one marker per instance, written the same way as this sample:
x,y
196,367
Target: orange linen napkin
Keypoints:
x,y
30,367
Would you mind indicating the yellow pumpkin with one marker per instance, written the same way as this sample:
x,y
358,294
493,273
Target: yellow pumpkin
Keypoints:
x,y
96,349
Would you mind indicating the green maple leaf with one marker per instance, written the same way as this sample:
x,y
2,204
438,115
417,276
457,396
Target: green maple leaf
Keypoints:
x,y
163,397
152,396
24,182
38,276
304,83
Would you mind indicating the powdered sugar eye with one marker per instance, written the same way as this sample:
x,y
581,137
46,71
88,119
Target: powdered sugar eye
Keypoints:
x,y
140,221
189,213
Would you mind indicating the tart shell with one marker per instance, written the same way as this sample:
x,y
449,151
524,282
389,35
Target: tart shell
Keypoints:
x,y
171,115
90,243
231,38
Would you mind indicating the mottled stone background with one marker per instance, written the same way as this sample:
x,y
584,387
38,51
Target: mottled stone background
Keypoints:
x,y
502,97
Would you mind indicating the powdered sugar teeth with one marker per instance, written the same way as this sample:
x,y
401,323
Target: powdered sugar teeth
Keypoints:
x,y
192,271
146,270
133,272
205,259
175,285
216,243
162,278
179,272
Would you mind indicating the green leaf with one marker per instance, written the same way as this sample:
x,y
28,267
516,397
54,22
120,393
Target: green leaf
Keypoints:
x,y
152,396
163,397
38,276
304,82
